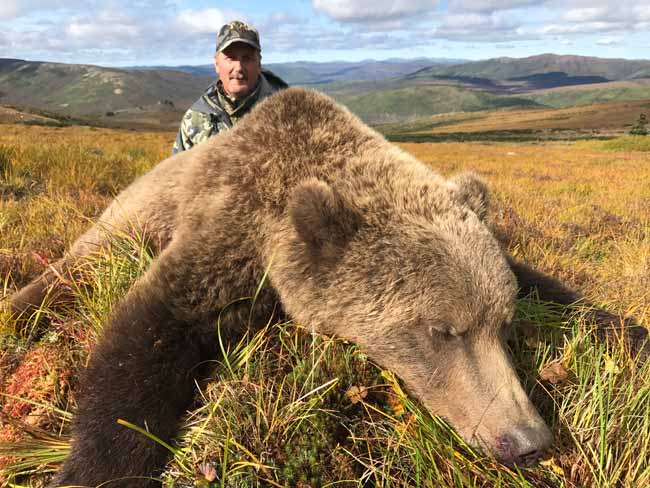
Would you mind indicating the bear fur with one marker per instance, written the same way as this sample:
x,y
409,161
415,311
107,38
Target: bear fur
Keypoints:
x,y
360,240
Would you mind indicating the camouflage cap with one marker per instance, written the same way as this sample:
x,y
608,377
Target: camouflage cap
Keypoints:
x,y
237,31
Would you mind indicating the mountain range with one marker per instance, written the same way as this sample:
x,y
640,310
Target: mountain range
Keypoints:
x,y
312,73
378,91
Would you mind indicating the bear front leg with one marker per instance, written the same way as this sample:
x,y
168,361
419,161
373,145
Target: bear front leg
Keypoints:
x,y
608,325
29,298
142,371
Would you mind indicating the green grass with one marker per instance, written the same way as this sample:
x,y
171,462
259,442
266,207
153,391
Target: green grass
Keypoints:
x,y
629,143
278,411
420,100
586,96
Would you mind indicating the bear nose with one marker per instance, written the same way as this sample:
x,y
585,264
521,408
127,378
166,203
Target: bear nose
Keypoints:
x,y
523,445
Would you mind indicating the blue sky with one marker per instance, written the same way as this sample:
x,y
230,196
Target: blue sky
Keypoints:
x,y
173,32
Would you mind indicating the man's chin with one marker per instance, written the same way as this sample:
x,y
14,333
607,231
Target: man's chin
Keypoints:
x,y
238,91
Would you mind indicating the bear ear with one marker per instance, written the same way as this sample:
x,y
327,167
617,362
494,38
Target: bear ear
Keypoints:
x,y
473,192
321,217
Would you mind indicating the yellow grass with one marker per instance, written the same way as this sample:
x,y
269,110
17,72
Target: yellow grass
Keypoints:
x,y
604,118
53,179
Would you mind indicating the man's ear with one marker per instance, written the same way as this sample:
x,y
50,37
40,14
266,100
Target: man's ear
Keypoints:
x,y
472,192
322,219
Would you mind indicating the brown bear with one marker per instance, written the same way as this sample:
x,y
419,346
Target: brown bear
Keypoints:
x,y
359,240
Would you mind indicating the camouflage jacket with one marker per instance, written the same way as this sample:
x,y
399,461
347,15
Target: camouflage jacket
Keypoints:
x,y
214,112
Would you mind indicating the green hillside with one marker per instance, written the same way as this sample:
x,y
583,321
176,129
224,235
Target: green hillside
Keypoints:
x,y
85,89
378,91
567,97
409,102
502,69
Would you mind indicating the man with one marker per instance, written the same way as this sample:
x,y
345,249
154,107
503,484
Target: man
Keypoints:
x,y
242,83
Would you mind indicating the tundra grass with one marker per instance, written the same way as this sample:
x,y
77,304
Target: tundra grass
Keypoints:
x,y
289,408
603,120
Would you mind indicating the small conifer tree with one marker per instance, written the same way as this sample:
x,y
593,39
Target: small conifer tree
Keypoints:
x,y
641,126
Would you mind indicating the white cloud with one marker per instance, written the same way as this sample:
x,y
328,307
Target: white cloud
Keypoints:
x,y
205,21
288,39
510,20
479,27
642,12
283,18
108,28
464,20
13,9
371,10
9,9
608,42
151,30
101,32
590,14
628,11
118,34
490,5
582,28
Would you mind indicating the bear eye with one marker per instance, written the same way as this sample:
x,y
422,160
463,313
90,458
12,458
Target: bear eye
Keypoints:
x,y
445,332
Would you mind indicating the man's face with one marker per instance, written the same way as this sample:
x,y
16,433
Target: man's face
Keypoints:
x,y
239,67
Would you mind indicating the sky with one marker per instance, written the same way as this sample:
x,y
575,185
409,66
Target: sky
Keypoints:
x,y
182,32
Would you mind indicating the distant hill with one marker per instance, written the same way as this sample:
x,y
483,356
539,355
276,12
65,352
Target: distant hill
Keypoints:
x,y
394,104
199,70
545,80
378,91
312,73
85,89
543,71
572,96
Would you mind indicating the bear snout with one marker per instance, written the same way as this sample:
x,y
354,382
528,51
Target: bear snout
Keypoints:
x,y
523,446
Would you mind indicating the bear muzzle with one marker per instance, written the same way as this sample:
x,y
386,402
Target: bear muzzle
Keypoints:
x,y
523,445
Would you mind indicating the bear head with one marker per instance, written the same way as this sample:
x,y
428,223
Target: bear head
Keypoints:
x,y
399,260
